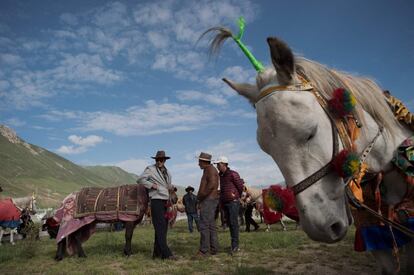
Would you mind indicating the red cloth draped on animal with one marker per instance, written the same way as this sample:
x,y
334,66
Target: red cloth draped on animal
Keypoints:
x,y
8,211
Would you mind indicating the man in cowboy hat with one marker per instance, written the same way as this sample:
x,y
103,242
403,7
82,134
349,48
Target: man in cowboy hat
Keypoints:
x,y
208,200
190,203
157,179
231,189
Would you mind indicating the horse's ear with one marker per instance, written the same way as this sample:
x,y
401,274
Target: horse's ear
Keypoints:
x,y
249,91
282,59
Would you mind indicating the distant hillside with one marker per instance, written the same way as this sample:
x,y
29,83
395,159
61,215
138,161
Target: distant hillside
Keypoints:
x,y
26,168
113,174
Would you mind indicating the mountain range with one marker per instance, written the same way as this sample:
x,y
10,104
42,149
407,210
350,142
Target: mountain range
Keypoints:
x,y
26,169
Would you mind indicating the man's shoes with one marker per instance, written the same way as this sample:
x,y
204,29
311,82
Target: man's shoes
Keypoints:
x,y
200,255
234,251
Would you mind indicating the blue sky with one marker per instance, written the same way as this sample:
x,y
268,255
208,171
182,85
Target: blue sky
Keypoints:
x,y
110,83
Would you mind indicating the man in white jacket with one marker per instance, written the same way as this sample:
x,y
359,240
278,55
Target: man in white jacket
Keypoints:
x,y
157,179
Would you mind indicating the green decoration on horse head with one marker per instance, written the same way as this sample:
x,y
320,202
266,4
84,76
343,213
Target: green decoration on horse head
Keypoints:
x,y
256,63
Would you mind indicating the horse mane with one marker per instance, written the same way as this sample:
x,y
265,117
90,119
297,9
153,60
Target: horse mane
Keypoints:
x,y
368,94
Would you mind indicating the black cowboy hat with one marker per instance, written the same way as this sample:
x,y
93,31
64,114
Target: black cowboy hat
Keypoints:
x,y
189,188
160,155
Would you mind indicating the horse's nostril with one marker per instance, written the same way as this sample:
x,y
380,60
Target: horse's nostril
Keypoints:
x,y
337,228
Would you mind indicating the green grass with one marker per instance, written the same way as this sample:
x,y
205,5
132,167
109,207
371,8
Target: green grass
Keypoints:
x,y
275,252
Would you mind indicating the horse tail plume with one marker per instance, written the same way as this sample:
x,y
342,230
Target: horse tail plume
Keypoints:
x,y
217,41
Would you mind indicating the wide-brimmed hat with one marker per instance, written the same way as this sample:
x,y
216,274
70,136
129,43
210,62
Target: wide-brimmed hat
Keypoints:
x,y
222,159
189,188
160,155
204,156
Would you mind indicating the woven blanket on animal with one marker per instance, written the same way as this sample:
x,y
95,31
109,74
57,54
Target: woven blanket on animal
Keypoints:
x,y
71,219
278,201
9,214
110,202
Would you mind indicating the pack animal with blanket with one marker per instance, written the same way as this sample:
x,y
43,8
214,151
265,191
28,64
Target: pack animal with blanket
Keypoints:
x,y
323,128
15,215
80,212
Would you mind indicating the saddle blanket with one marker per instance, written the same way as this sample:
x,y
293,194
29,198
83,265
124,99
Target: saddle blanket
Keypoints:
x,y
112,201
9,214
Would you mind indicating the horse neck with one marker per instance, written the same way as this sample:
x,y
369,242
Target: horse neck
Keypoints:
x,y
379,160
385,147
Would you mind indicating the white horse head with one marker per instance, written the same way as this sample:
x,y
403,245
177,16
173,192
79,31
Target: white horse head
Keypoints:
x,y
298,133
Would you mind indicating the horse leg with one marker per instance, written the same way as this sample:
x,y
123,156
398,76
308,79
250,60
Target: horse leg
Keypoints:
x,y
283,225
11,236
129,231
386,260
267,228
60,252
78,240
1,234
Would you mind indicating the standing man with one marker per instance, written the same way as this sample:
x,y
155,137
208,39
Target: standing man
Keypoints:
x,y
157,179
190,203
231,189
208,200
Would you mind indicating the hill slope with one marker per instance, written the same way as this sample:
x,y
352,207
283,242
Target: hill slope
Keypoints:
x,y
113,174
26,168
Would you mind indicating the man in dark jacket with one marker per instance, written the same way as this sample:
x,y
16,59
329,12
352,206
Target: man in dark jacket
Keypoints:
x,y
190,203
208,200
231,189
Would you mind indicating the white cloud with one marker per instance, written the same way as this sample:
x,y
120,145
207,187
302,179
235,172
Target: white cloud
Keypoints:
x,y
71,150
215,99
158,40
154,13
240,74
112,15
69,19
8,59
15,122
85,67
88,141
165,62
150,119
81,145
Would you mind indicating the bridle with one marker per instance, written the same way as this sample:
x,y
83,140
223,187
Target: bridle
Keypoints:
x,y
339,128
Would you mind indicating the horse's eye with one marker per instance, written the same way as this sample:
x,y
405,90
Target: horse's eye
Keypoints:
x,y
312,134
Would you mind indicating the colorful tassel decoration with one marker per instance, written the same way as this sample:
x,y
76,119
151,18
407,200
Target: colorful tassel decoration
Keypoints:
x,y
273,201
342,102
346,164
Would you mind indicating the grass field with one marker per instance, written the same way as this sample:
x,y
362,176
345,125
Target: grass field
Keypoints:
x,y
276,252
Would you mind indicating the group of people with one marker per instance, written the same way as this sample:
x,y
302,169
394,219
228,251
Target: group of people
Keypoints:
x,y
218,187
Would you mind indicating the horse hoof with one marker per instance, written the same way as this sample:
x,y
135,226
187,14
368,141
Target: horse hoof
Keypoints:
x,y
13,243
82,256
58,258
